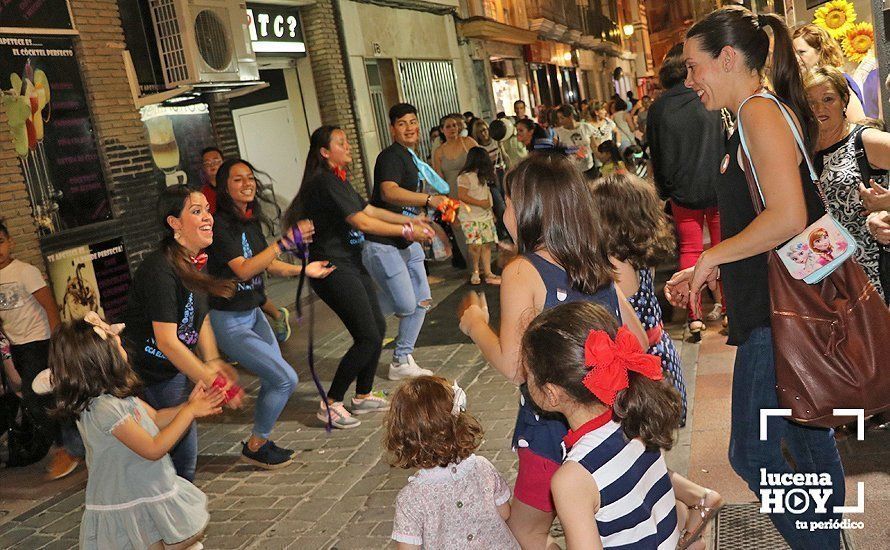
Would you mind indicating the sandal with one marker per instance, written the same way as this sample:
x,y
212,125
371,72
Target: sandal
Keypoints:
x,y
474,279
491,279
707,513
696,327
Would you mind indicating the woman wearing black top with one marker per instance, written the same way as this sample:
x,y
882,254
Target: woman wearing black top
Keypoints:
x,y
725,54
341,217
240,251
170,345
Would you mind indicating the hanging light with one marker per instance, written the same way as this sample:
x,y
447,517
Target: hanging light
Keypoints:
x,y
567,57
628,29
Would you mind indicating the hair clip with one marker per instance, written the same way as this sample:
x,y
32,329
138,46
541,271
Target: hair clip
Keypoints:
x,y
460,400
103,329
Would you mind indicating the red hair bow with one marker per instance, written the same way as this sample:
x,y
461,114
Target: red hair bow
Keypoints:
x,y
610,360
200,260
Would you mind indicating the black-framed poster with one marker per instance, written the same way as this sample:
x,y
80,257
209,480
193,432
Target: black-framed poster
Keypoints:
x,y
48,122
26,16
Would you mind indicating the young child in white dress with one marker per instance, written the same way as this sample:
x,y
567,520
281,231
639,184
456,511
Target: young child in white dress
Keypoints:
x,y
134,500
457,499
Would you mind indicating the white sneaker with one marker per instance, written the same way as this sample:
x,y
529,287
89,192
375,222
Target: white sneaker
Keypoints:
x,y
413,363
401,371
340,417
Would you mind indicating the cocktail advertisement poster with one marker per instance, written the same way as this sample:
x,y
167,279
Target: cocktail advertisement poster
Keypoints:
x,y
88,278
48,122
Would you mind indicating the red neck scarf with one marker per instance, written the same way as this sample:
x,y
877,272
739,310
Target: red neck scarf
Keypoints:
x,y
199,260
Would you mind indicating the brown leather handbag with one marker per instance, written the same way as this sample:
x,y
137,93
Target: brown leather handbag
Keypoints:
x,y
831,339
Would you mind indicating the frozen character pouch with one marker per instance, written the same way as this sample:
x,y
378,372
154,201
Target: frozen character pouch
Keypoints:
x,y
815,253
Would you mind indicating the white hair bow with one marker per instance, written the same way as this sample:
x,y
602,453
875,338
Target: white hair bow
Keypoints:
x,y
460,400
103,329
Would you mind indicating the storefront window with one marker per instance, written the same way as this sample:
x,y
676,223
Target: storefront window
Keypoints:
x,y
506,92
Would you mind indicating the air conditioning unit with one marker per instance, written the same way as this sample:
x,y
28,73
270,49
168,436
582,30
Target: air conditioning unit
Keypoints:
x,y
203,41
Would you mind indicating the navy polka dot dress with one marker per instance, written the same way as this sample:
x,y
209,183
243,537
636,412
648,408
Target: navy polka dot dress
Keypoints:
x,y
646,306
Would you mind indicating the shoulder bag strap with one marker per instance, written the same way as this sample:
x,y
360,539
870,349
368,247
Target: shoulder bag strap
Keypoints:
x,y
746,157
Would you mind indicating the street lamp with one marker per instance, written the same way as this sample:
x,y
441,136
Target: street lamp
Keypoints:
x,y
628,29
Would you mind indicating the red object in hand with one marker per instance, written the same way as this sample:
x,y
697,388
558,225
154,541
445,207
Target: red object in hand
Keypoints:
x,y
449,208
221,383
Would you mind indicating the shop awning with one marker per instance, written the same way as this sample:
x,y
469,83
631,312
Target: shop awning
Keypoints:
x,y
488,29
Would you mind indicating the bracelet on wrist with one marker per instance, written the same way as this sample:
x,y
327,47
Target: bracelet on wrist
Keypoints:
x,y
428,198
408,231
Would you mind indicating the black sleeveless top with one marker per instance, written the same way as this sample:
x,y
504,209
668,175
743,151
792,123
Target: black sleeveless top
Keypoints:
x,y
543,434
745,282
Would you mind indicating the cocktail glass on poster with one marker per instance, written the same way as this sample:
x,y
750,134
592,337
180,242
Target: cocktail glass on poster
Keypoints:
x,y
164,149
27,107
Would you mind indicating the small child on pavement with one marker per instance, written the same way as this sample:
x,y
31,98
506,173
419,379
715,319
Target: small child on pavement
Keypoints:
x,y
457,499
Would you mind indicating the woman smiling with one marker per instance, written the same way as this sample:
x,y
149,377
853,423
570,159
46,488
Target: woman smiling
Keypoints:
x,y
240,252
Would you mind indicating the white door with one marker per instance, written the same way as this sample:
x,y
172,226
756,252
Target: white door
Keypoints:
x,y
267,139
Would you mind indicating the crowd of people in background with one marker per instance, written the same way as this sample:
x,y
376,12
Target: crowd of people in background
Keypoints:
x,y
587,199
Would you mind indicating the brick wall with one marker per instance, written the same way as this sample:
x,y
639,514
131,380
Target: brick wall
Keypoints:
x,y
132,182
223,126
331,85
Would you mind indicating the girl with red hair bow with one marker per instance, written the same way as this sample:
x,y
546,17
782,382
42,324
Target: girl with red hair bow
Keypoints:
x,y
621,414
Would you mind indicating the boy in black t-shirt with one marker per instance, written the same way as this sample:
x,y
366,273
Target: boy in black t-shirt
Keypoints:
x,y
395,264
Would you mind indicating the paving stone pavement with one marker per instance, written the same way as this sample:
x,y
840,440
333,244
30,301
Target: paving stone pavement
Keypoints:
x,y
340,492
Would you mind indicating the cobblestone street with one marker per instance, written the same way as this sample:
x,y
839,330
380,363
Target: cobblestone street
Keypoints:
x,y
340,492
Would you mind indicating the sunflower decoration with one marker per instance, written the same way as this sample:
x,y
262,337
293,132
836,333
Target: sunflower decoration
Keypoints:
x,y
836,17
858,41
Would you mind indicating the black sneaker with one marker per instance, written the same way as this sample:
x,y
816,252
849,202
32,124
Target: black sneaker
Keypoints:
x,y
268,456
288,452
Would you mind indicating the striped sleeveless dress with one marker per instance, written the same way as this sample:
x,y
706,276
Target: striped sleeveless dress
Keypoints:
x,y
637,504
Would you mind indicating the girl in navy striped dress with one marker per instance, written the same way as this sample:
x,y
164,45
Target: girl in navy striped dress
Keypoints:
x,y
613,489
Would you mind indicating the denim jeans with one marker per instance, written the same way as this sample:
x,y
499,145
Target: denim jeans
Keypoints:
x,y
246,337
173,393
812,449
401,277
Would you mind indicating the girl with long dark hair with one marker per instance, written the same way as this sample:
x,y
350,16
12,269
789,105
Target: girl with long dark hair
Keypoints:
x,y
562,258
477,221
171,347
533,135
725,54
341,219
241,252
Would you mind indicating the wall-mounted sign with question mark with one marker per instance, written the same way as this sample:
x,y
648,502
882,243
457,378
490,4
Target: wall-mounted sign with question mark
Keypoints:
x,y
275,29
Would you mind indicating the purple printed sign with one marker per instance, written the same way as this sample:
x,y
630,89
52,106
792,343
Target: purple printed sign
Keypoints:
x,y
35,14
48,123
